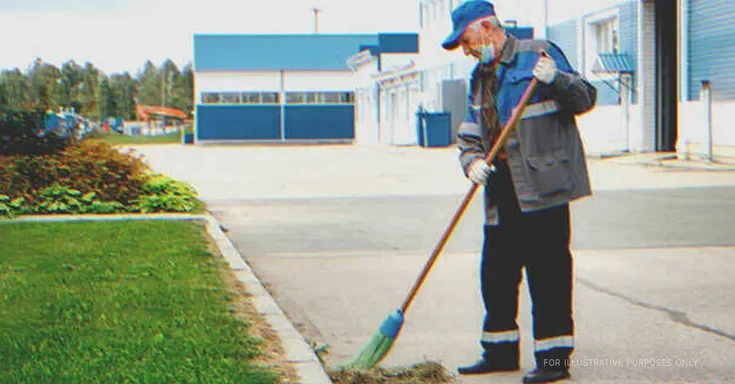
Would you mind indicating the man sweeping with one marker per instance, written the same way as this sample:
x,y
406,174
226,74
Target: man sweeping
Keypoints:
x,y
528,187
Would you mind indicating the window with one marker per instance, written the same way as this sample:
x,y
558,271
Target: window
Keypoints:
x,y
600,35
238,98
270,98
251,98
320,98
230,98
210,98
606,36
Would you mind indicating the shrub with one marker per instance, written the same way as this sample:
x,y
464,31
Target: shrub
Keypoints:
x,y
88,177
165,194
90,166
19,134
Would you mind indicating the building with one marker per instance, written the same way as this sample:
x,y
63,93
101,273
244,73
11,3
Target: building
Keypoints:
x,y
391,90
280,88
649,60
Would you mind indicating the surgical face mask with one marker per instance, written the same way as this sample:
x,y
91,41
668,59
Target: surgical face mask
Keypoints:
x,y
487,53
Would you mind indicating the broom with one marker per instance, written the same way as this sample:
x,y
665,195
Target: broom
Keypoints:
x,y
382,341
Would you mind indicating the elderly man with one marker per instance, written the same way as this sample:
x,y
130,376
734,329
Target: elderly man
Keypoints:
x,y
528,188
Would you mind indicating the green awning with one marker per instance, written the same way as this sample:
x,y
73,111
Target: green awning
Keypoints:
x,y
612,63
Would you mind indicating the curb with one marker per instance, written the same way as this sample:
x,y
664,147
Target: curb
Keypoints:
x,y
298,352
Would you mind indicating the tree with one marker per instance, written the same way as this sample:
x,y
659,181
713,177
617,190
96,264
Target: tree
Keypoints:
x,y
93,93
149,85
106,105
123,89
183,90
15,88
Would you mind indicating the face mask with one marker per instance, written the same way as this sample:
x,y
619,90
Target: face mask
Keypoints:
x,y
487,53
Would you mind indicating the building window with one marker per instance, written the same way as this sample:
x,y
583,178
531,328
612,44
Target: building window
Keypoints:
x,y
230,98
600,35
237,98
606,36
320,98
210,98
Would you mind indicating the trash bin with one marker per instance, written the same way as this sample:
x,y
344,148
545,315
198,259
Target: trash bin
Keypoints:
x,y
436,130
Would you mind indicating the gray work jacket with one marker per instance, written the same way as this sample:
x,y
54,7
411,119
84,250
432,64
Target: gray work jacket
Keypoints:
x,y
545,153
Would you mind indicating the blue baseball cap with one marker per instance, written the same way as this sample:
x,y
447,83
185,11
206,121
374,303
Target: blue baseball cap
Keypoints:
x,y
463,16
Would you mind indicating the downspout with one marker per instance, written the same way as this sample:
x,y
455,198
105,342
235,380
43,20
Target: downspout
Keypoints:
x,y
684,50
283,107
641,72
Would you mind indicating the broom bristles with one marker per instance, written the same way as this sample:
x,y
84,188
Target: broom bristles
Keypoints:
x,y
379,345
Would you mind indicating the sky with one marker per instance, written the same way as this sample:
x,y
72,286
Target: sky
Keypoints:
x,y
120,35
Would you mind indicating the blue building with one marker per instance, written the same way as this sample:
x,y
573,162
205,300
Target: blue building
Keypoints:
x,y
276,88
650,58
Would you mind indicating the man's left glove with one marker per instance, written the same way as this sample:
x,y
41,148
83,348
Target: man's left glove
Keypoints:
x,y
545,69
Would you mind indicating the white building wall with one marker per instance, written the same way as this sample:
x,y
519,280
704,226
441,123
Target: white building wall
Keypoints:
x,y
399,101
393,60
366,102
693,130
316,81
266,81
238,81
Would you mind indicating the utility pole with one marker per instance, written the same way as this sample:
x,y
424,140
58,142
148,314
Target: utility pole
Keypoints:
x,y
546,19
316,19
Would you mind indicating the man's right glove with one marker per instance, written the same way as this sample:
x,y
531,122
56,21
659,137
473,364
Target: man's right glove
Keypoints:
x,y
479,172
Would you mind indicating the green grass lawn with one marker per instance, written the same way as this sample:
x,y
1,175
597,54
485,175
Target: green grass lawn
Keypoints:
x,y
118,302
118,139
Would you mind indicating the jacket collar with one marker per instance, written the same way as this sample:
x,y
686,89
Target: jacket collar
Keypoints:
x,y
506,57
508,52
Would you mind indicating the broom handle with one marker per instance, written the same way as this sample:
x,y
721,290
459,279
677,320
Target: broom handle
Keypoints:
x,y
509,126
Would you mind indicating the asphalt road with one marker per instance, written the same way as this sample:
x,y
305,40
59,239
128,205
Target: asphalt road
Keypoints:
x,y
683,217
653,267
339,233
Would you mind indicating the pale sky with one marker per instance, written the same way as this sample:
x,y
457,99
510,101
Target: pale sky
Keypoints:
x,y
119,35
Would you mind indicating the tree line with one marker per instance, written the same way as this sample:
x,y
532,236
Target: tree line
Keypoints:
x,y
93,93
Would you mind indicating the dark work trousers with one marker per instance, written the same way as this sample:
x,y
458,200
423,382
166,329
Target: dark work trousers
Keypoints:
x,y
539,242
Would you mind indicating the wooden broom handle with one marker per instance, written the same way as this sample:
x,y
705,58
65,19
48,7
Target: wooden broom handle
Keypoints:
x,y
509,127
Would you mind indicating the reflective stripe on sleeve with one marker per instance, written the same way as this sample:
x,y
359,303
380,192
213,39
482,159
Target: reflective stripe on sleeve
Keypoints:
x,y
471,129
540,109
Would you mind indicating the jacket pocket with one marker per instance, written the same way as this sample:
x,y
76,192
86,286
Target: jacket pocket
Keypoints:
x,y
550,172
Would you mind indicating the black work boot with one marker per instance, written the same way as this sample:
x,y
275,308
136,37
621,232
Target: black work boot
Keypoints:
x,y
546,375
502,358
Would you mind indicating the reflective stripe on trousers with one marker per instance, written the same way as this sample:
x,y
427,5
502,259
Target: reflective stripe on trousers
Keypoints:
x,y
500,337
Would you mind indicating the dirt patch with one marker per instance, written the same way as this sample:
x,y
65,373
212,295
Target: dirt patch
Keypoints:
x,y
427,373
273,355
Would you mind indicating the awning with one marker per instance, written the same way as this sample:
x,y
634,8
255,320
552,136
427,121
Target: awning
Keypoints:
x,y
612,63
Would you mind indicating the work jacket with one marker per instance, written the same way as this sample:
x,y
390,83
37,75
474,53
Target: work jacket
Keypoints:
x,y
545,153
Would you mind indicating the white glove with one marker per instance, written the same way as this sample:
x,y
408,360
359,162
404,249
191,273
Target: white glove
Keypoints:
x,y
480,172
545,69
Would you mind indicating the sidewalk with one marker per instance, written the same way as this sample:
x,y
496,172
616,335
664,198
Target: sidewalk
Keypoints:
x,y
668,160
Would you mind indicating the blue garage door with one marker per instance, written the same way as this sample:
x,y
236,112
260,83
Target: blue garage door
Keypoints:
x,y
320,122
242,122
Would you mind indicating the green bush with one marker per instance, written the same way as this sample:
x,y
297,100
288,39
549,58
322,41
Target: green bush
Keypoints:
x,y
88,177
165,194
89,166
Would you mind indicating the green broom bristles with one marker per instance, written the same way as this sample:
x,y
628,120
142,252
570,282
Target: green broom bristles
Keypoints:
x,y
379,345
